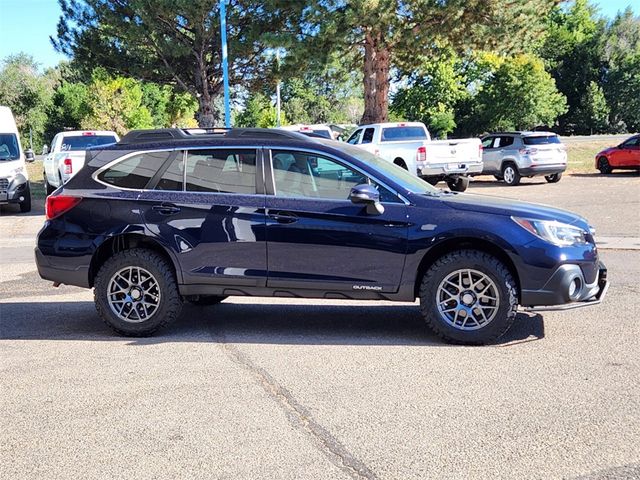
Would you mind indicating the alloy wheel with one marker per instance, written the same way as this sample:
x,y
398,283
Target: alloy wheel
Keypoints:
x,y
467,299
133,294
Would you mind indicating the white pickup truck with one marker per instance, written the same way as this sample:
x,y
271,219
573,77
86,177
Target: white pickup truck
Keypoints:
x,y
67,152
409,145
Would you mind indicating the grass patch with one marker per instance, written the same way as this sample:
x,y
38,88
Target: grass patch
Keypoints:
x,y
581,155
35,170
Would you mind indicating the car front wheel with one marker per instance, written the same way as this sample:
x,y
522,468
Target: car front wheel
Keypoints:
x,y
136,293
604,166
468,297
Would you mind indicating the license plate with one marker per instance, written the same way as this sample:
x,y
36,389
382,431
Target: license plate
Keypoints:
x,y
456,166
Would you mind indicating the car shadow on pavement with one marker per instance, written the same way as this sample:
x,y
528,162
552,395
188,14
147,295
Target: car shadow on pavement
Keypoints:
x,y
228,322
623,173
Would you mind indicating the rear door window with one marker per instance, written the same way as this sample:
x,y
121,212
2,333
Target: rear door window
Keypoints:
x,y
135,172
394,134
221,171
541,140
506,141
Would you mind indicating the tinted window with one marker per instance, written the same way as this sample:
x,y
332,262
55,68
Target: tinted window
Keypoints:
x,y
221,170
368,135
506,141
393,134
173,176
86,141
632,142
136,171
301,174
353,139
541,140
9,147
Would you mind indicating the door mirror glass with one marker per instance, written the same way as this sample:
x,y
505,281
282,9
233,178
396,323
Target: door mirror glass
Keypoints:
x,y
29,156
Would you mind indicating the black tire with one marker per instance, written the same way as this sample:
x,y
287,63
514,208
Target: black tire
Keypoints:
x,y
25,205
48,188
459,184
431,180
604,166
510,174
553,178
504,286
206,300
401,163
169,304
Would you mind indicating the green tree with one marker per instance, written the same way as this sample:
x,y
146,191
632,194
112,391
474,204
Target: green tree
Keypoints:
x,y
29,95
593,112
115,103
573,52
519,94
175,42
381,35
432,93
259,112
69,107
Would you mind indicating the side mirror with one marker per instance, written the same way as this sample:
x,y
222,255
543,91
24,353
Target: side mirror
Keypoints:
x,y
29,156
365,194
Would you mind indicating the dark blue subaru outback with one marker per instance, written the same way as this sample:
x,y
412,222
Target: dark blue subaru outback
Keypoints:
x,y
166,216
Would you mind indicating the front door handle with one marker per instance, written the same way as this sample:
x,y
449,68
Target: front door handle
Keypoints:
x,y
166,209
284,217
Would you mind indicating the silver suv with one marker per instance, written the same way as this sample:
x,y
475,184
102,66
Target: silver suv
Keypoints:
x,y
509,156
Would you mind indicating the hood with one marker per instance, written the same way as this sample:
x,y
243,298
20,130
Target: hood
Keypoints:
x,y
7,167
510,207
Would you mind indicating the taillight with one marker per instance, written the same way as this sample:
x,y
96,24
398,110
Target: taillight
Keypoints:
x,y
422,154
480,151
58,204
68,166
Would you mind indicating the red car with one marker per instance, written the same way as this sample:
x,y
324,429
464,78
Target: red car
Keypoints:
x,y
625,156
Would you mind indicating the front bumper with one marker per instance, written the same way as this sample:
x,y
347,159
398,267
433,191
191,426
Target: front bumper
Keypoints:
x,y
446,169
556,294
16,190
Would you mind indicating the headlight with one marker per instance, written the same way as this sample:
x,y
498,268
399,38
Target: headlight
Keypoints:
x,y
560,234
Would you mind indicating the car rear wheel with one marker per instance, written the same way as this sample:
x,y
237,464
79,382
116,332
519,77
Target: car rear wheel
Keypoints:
x,y
206,300
604,166
459,184
510,174
468,297
554,178
47,187
136,292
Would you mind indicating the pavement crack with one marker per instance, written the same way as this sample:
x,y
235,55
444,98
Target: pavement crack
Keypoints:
x,y
297,415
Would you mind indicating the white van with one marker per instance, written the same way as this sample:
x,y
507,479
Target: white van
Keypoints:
x,y
14,180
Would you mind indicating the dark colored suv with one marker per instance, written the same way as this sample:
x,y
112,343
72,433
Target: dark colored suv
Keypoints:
x,y
167,216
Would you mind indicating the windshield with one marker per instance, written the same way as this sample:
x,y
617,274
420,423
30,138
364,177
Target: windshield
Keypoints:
x,y
394,134
86,141
388,170
9,147
541,140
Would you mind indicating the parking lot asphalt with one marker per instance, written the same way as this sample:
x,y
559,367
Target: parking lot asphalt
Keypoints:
x,y
286,388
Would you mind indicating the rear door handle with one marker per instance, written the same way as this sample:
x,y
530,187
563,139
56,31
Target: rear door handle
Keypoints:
x,y
166,209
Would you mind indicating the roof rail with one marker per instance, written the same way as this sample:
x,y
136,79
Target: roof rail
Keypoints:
x,y
167,134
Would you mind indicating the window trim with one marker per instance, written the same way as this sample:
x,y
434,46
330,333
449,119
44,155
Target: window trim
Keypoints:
x,y
271,185
165,165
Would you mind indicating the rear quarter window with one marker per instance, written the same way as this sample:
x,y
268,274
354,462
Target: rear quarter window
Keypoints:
x,y
394,134
541,140
136,171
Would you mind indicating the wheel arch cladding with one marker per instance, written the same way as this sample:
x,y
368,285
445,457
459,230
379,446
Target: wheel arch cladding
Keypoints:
x,y
128,241
464,243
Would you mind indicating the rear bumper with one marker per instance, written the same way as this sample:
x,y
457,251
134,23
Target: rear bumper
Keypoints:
x,y
446,169
542,169
556,294
70,274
